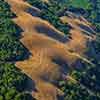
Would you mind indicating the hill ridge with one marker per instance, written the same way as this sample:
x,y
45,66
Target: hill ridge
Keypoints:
x,y
43,48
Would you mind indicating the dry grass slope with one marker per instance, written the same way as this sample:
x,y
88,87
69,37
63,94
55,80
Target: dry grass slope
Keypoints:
x,y
39,66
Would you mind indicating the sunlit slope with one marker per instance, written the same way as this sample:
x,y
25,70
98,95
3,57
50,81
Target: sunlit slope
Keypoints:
x,y
46,43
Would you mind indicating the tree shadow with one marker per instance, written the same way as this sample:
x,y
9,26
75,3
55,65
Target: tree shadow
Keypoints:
x,y
86,28
62,63
92,51
27,84
51,33
60,97
18,31
32,11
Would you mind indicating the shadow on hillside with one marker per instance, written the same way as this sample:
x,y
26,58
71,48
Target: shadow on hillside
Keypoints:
x,y
32,11
62,63
29,84
26,85
86,79
18,31
51,33
60,97
86,28
92,51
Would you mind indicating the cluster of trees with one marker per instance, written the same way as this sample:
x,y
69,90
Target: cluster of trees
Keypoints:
x,y
12,81
76,91
82,83
9,44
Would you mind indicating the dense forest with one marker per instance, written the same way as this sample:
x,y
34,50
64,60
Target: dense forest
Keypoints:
x,y
11,79
85,81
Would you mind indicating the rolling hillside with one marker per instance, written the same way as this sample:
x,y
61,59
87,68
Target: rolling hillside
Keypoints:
x,y
47,44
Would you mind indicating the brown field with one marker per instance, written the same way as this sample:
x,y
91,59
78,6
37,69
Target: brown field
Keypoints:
x,y
40,66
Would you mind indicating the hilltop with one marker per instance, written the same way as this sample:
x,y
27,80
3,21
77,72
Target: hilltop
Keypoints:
x,y
47,44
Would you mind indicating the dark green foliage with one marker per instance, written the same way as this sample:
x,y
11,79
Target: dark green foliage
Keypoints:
x,y
12,81
5,10
7,26
23,96
83,84
75,91
10,47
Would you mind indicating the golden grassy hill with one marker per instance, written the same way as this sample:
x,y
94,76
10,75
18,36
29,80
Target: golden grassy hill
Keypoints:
x,y
44,42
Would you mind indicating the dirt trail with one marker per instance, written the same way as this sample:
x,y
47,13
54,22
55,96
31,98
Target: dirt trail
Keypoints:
x,y
44,47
